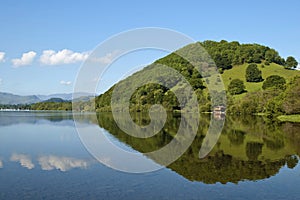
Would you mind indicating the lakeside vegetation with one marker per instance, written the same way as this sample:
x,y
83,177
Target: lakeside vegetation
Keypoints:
x,y
50,104
67,106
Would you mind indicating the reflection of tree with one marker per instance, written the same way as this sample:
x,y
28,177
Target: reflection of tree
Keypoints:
x,y
292,132
212,136
236,137
274,144
253,150
292,161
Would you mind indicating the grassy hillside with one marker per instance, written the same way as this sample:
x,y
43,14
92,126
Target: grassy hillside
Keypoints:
x,y
239,72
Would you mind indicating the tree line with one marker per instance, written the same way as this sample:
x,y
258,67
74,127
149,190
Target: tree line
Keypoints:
x,y
228,54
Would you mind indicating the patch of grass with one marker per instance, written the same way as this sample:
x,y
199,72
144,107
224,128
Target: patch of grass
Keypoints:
x,y
261,114
239,72
289,118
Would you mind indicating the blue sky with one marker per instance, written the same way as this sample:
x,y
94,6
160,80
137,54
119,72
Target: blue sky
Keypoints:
x,y
55,37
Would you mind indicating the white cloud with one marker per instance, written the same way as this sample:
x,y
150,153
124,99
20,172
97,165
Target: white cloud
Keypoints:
x,y
108,58
2,55
23,159
65,56
61,163
26,59
1,164
0,81
65,82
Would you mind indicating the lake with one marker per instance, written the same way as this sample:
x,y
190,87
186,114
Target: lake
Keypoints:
x,y
42,157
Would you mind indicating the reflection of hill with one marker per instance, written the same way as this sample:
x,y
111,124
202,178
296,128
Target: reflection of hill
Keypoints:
x,y
247,149
143,145
223,168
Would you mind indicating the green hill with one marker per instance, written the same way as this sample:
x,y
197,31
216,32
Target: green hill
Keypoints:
x,y
232,60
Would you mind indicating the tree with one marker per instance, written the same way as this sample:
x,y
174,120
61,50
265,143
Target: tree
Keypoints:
x,y
274,81
222,62
236,86
291,102
290,63
196,83
253,74
271,55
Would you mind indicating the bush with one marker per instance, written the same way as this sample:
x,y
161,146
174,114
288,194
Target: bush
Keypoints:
x,y
236,86
274,81
253,74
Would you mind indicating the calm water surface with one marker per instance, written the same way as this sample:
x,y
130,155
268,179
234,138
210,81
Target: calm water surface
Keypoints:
x,y
42,157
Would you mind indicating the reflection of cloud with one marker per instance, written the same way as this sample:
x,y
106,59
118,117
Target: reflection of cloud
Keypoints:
x,y
107,161
23,159
1,164
61,163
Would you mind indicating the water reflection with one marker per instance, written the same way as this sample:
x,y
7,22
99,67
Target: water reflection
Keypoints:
x,y
63,164
35,117
50,162
42,140
250,148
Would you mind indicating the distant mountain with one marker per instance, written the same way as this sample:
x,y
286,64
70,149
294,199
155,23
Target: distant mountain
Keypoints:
x,y
12,99
65,96
56,100
8,98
